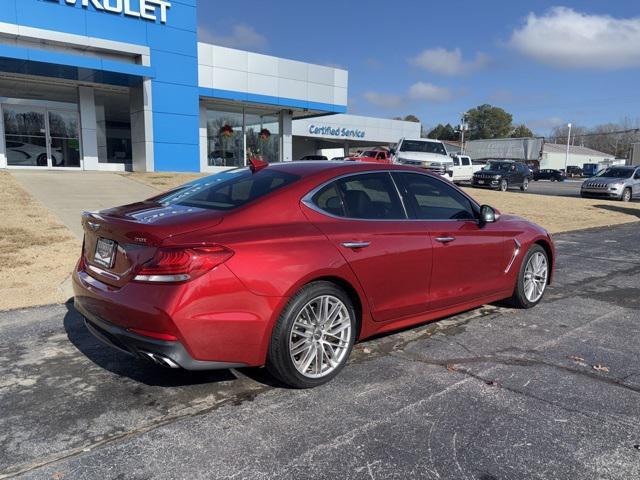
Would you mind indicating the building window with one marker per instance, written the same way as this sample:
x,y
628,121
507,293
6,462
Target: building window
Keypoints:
x,y
113,123
263,137
235,134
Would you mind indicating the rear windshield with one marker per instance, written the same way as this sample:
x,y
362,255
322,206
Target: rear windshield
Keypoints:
x,y
420,146
228,190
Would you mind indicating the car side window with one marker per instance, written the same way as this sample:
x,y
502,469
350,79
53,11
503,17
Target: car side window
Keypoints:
x,y
466,162
456,161
637,175
371,196
329,200
433,199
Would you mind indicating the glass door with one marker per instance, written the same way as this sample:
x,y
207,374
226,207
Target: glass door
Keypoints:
x,y
64,139
40,137
25,136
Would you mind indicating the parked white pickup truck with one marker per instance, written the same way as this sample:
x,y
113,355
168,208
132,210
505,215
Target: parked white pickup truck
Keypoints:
x,y
462,169
422,153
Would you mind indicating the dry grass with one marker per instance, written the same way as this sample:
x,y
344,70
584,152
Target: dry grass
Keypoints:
x,y
560,214
163,181
37,253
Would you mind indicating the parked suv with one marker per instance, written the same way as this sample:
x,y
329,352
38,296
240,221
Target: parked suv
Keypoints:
x,y
621,183
549,174
502,175
574,171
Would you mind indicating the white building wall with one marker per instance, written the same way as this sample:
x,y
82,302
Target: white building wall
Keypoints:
x,y
356,128
556,160
254,73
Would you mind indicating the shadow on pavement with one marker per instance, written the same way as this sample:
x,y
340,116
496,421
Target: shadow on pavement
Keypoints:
x,y
614,208
136,369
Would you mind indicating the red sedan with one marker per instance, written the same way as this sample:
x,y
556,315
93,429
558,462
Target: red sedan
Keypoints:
x,y
372,156
288,265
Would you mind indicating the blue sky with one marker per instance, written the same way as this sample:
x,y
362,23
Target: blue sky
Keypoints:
x,y
548,63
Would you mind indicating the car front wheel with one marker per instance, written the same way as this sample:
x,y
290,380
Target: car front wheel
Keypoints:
x,y
533,278
313,337
504,185
626,195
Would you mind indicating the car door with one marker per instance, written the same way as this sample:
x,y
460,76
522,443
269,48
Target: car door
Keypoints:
x,y
469,260
467,169
636,184
363,216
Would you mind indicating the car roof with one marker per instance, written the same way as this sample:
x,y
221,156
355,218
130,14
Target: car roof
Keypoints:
x,y
431,140
337,167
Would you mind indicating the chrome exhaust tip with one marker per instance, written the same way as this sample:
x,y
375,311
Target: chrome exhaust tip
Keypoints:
x,y
160,360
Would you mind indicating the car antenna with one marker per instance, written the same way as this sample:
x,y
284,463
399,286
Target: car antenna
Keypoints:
x,y
256,164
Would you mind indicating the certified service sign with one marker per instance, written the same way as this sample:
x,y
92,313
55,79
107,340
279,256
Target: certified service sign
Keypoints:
x,y
147,9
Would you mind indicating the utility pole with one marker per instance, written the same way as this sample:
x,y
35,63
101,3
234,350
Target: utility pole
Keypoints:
x,y
463,127
566,159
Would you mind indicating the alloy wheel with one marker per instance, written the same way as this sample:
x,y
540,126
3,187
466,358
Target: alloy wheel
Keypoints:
x,y
320,336
504,186
626,195
535,277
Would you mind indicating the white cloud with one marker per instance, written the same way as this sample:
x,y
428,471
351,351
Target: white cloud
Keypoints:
x,y
448,62
384,100
419,91
429,92
546,123
565,38
241,36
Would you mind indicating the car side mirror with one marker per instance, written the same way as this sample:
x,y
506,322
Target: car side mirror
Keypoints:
x,y
487,215
392,151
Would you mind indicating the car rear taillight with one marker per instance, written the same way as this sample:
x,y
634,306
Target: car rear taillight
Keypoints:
x,y
181,264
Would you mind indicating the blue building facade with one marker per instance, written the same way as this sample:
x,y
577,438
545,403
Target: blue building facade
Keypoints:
x,y
125,84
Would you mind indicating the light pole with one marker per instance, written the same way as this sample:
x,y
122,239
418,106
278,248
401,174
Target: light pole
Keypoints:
x,y
566,159
463,126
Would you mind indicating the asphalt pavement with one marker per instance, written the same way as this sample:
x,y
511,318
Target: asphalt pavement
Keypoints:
x,y
494,393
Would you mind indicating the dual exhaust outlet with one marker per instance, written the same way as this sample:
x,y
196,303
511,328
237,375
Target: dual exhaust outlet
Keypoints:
x,y
160,360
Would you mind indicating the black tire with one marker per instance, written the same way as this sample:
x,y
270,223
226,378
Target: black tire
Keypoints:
x,y
525,185
519,299
41,161
279,362
626,195
504,185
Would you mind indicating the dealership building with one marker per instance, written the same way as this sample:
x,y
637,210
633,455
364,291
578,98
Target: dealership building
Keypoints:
x,y
126,85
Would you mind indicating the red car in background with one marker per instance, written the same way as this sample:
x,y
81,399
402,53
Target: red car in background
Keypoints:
x,y
372,156
288,265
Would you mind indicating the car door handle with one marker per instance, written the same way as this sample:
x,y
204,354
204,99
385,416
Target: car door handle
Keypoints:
x,y
356,244
445,239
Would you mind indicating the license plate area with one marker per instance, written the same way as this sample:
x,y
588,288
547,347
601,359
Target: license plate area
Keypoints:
x,y
481,182
105,252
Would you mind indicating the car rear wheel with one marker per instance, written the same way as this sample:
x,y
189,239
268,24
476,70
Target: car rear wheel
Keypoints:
x,y
626,195
504,185
313,337
533,278
525,185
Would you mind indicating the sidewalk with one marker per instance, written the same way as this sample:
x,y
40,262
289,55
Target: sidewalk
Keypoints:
x,y
68,194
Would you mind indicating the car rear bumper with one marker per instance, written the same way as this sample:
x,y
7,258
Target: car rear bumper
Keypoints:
x,y
171,354
215,321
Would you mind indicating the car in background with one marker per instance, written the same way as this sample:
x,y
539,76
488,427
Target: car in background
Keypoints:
x,y
549,174
462,169
502,175
288,265
314,157
423,153
372,156
574,171
621,183
590,169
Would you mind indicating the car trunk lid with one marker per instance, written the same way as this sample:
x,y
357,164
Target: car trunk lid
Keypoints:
x,y
118,241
